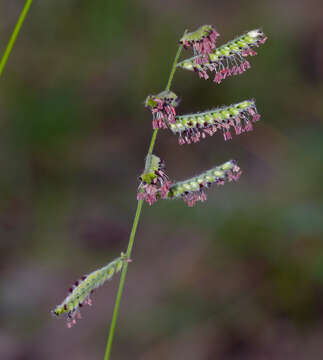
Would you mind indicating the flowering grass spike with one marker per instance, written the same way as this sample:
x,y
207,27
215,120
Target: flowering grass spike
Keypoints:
x,y
192,190
82,289
162,107
228,59
193,127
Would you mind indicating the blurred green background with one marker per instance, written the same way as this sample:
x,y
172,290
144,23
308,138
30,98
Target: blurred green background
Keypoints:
x,y
237,277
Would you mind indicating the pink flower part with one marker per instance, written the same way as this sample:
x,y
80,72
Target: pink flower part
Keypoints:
x,y
238,129
255,116
192,198
71,323
202,74
164,190
263,40
207,44
249,52
220,182
227,72
162,113
204,45
72,318
87,301
237,176
140,196
227,135
248,126
181,141
157,188
203,197
218,78
149,193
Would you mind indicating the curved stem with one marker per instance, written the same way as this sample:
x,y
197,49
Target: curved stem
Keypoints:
x,y
133,230
14,35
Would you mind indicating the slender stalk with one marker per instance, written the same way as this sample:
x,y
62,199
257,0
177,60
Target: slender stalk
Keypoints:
x,y
14,35
134,228
122,281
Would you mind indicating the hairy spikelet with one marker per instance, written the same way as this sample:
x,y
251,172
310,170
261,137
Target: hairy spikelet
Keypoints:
x,y
228,59
162,107
82,289
192,190
154,182
203,40
192,127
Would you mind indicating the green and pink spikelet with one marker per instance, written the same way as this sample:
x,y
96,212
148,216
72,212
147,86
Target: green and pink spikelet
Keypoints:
x,y
202,40
162,107
82,289
228,59
192,190
154,183
192,127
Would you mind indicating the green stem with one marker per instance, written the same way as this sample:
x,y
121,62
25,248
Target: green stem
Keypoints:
x,y
171,75
14,35
133,230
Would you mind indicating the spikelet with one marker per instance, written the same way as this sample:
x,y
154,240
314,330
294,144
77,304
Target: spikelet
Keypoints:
x,y
162,107
193,127
228,59
192,190
82,289
154,182
203,40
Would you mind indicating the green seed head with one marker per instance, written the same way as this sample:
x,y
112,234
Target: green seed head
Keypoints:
x,y
81,290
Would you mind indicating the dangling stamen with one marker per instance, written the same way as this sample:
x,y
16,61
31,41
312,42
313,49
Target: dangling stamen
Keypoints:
x,y
162,107
203,41
154,181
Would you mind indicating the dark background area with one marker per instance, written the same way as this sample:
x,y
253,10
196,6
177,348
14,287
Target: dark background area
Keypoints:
x,y
237,277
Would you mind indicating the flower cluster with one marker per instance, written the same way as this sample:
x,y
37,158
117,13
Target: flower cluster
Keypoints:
x,y
162,107
80,292
193,127
154,183
192,190
203,40
228,59
225,61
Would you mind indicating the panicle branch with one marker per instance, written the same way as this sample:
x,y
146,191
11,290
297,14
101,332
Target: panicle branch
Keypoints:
x,y
80,292
192,190
193,127
155,184
228,59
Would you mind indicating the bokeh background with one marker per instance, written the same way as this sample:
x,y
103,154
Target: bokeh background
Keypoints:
x,y
237,277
